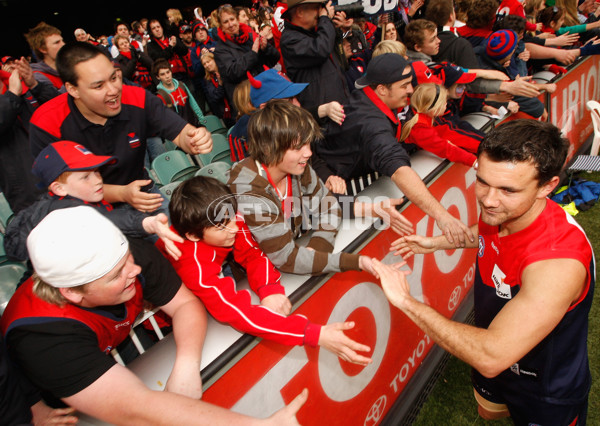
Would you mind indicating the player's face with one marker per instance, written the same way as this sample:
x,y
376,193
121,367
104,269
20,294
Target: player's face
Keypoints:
x,y
98,91
431,43
295,161
508,193
221,235
85,185
397,95
115,287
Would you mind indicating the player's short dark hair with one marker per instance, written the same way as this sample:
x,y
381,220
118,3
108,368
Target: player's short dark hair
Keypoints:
x,y
72,54
200,203
525,140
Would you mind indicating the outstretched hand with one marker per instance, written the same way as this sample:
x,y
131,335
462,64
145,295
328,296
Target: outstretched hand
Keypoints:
x,y
455,231
146,202
287,415
410,245
333,339
159,225
390,215
394,283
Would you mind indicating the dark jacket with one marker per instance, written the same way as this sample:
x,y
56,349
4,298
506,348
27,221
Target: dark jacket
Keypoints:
x,y
127,219
234,60
366,141
309,57
137,68
17,182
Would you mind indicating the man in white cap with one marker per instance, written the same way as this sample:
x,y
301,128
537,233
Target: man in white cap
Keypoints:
x,y
82,301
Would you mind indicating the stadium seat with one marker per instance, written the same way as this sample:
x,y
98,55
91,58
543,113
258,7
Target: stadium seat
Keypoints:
x,y
169,145
214,124
173,165
167,190
10,275
217,169
220,151
594,108
6,213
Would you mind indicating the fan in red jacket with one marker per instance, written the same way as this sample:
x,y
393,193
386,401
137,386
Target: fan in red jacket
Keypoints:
x,y
203,211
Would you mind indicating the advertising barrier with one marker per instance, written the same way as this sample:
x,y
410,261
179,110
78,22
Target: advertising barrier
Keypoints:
x,y
258,377
270,375
567,106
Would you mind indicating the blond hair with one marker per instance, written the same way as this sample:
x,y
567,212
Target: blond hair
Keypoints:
x,y
241,98
570,8
51,294
427,98
175,14
389,46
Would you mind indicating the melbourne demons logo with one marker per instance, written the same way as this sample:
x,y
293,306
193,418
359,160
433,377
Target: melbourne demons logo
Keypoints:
x,y
134,141
481,246
82,149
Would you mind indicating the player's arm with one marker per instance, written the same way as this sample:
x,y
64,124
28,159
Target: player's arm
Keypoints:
x,y
189,328
410,245
415,190
548,289
120,398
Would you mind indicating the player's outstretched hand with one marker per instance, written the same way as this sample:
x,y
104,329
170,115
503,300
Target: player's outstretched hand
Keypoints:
x,y
394,283
410,245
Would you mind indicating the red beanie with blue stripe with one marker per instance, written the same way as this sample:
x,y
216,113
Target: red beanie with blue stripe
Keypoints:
x,y
501,44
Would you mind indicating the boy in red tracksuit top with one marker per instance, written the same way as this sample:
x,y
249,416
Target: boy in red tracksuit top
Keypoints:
x,y
204,212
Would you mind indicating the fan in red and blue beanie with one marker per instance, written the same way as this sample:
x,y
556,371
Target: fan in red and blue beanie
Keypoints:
x,y
501,44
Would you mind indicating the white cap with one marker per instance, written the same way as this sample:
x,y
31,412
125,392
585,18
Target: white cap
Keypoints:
x,y
75,246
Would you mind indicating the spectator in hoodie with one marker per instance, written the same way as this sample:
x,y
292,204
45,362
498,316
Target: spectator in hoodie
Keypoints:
x,y
45,41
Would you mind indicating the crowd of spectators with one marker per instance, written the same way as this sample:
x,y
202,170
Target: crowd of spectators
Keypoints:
x,y
349,77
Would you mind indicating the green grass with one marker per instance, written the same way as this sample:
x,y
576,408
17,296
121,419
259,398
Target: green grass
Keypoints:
x,y
451,401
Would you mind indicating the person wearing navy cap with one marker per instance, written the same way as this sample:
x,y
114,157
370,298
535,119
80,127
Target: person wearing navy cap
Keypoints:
x,y
367,141
71,174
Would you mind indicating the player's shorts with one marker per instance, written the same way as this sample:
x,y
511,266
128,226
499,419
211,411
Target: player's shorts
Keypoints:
x,y
525,410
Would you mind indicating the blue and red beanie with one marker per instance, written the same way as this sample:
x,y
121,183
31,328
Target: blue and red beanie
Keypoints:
x,y
501,44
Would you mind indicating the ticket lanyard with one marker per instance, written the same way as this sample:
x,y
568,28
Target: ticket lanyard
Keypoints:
x,y
384,108
288,193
